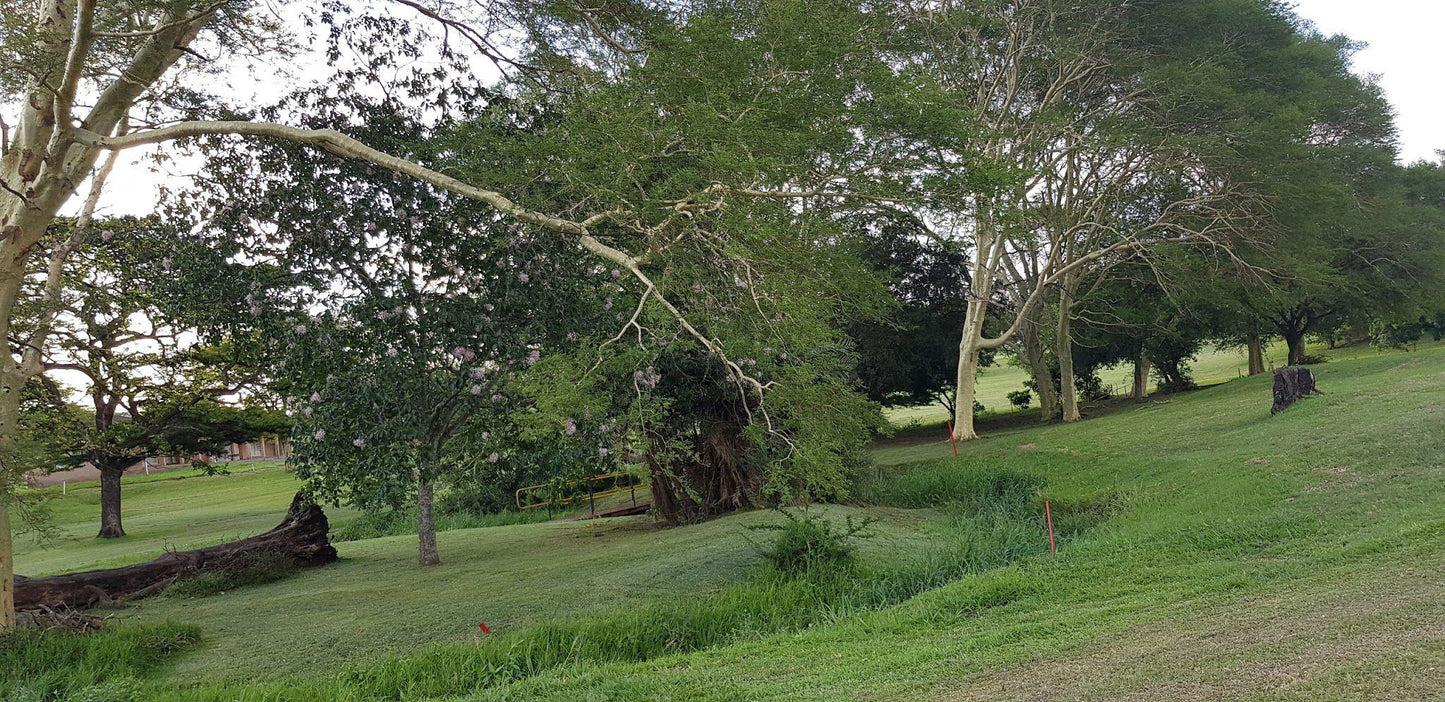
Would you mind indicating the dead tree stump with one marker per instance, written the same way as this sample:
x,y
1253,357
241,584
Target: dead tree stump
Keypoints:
x,y
1290,384
302,538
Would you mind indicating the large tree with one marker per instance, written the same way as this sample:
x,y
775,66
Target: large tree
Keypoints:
x,y
89,77
152,388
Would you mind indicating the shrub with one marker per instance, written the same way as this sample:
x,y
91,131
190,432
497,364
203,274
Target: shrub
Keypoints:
x,y
809,542
1020,399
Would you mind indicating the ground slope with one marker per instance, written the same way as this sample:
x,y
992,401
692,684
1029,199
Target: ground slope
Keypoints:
x,y
1256,558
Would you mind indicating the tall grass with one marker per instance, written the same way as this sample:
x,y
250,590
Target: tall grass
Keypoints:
x,y
40,666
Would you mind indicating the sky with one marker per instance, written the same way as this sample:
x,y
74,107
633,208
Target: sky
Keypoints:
x,y
1405,50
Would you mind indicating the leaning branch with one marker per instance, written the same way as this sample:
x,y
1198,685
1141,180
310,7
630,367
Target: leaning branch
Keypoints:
x,y
339,144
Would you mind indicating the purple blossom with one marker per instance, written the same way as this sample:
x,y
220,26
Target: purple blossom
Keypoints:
x,y
524,277
604,429
307,411
534,356
602,451
320,435
478,372
463,353
608,304
488,306
486,435
358,442
616,273
301,329
315,397
476,389
570,428
493,458
391,352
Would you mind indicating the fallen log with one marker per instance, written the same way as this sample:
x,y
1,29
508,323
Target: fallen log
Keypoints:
x,y
1290,384
301,538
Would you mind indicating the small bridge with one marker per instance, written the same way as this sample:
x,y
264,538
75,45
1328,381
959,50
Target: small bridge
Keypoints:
x,y
606,495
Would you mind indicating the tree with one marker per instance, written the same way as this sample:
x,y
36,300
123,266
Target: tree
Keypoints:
x,y
152,391
905,360
129,59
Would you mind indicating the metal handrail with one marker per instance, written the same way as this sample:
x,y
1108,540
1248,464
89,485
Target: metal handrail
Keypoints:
x,y
592,495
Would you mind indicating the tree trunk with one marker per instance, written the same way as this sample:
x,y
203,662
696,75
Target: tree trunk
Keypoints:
x,y
1141,377
1256,354
968,348
110,527
1291,384
426,527
1038,364
301,539
7,569
1296,343
9,419
1064,349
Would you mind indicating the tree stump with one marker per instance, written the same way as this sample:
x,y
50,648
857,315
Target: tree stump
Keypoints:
x,y
302,538
1290,384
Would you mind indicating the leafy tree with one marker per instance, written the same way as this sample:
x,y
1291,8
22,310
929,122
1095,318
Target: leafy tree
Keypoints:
x,y
152,389
907,359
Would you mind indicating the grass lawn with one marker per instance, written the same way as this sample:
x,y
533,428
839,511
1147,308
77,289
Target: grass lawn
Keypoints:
x,y
176,510
1237,556
1295,557
1212,366
377,600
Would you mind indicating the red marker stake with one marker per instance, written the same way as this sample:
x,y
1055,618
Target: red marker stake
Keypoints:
x,y
483,627
1049,515
952,440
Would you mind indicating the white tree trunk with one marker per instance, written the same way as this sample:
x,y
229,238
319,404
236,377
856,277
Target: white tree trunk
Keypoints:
x,y
1064,349
968,348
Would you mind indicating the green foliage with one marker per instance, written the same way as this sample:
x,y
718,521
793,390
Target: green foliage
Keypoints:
x,y
807,542
1020,399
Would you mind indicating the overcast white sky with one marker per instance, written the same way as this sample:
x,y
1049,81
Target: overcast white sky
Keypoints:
x,y
1406,50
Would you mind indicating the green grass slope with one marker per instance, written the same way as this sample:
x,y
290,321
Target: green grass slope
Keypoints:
x,y
1234,555
378,601
1262,558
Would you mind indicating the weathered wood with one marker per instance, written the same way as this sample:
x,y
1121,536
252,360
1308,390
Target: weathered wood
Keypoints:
x,y
301,537
1290,384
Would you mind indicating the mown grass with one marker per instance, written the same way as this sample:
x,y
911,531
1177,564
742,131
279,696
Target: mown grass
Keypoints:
x,y
1189,511
177,510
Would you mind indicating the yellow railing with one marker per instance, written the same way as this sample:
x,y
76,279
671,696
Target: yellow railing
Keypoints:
x,y
592,494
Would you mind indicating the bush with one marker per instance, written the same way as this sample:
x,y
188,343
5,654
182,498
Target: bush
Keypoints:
x,y
1021,399
809,542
